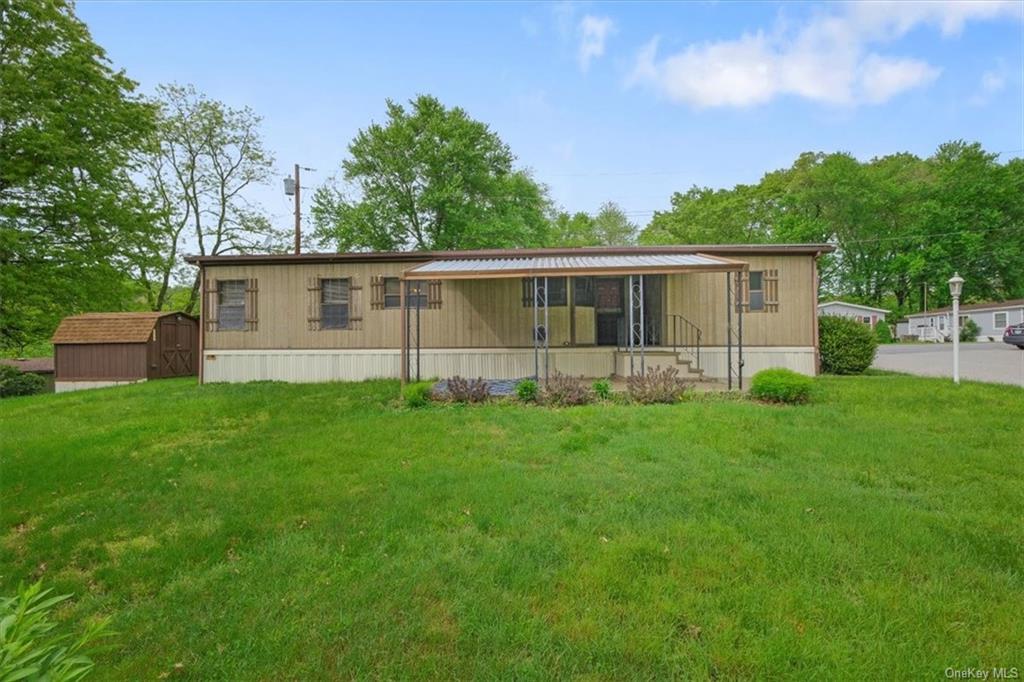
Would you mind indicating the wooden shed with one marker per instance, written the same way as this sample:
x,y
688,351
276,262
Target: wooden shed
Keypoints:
x,y
107,349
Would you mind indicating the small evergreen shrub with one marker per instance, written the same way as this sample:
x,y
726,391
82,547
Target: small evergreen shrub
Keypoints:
x,y
969,331
781,386
14,382
563,390
418,394
847,346
602,389
527,391
658,385
467,390
883,333
31,644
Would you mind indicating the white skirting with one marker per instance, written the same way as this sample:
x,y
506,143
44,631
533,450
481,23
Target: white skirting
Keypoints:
x,y
310,366
68,386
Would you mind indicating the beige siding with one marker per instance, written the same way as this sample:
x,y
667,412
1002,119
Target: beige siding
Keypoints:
x,y
490,313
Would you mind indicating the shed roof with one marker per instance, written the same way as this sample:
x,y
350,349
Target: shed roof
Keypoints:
x,y
852,305
31,365
560,265
108,327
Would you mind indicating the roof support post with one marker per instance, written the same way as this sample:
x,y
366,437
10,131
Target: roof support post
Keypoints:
x,y
547,336
739,330
728,329
643,329
637,325
632,336
419,328
404,359
536,332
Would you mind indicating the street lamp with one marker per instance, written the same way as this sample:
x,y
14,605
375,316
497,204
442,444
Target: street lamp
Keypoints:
x,y
956,285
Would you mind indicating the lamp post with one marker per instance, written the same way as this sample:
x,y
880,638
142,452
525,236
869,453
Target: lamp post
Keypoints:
x,y
956,285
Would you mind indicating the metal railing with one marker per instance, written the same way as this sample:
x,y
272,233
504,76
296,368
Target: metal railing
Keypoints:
x,y
686,337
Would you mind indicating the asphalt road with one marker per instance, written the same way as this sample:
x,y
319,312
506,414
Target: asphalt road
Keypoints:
x,y
993,362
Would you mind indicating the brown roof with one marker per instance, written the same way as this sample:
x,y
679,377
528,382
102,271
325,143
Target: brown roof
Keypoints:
x,y
420,256
989,305
108,327
33,365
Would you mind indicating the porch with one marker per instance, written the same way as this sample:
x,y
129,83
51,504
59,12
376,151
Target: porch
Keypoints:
x,y
595,316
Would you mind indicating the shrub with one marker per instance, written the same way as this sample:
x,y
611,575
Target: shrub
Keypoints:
x,y
781,386
418,394
467,390
563,389
30,646
15,382
527,390
602,389
658,385
969,331
847,346
883,334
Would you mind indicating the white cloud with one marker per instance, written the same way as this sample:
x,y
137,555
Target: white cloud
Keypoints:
x,y
824,60
594,32
992,81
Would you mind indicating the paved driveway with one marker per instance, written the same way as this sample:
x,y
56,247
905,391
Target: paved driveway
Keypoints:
x,y
996,362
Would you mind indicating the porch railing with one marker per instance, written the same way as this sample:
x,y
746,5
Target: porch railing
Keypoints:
x,y
685,336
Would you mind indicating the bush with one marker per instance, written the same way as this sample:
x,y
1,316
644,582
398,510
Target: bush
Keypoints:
x,y
847,346
30,646
15,382
418,394
883,334
969,331
602,389
467,390
563,389
781,386
527,391
658,385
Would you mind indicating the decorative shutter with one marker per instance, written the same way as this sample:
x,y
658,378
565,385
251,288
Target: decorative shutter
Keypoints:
x,y
377,292
434,294
252,305
313,304
771,291
743,291
210,305
355,304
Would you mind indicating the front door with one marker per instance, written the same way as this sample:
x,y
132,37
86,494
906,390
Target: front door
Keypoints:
x,y
608,307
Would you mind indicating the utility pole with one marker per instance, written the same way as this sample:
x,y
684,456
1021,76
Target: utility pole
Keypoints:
x,y
298,213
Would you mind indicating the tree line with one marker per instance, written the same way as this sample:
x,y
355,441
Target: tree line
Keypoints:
x,y
103,191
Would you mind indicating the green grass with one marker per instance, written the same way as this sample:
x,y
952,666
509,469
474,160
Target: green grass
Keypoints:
x,y
266,531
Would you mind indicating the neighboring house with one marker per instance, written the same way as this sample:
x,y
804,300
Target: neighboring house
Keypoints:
x,y
855,311
609,311
41,366
992,319
108,349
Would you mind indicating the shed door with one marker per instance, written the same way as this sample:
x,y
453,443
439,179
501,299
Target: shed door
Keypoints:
x,y
177,346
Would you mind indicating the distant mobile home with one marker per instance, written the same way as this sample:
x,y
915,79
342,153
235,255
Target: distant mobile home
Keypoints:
x,y
719,311
95,350
855,311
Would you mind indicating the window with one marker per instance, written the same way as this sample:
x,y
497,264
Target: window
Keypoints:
x,y
866,319
334,303
417,293
756,294
556,291
942,323
583,291
231,304
1000,320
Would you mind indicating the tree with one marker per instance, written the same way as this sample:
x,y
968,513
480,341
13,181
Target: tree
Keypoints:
x,y
69,213
206,155
430,178
610,227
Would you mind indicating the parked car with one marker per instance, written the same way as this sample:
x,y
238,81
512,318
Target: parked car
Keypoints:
x,y
1014,335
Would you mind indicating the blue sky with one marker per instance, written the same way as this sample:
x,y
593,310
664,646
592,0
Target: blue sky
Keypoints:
x,y
602,101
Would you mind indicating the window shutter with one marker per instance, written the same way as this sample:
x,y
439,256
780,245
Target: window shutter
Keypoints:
x,y
771,291
743,291
313,304
527,292
355,304
434,294
252,307
377,292
210,305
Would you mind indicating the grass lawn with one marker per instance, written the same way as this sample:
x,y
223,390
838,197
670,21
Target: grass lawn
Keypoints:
x,y
316,531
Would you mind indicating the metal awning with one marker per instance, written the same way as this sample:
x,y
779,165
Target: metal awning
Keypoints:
x,y
541,266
